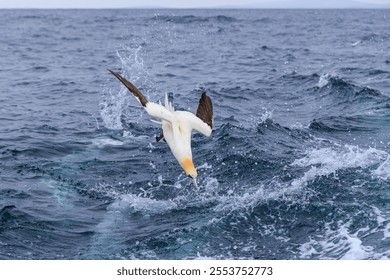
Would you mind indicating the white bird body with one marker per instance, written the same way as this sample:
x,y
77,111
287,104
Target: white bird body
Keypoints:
x,y
177,126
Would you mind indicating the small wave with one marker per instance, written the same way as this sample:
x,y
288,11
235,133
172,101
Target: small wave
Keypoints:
x,y
324,79
347,88
327,161
187,19
337,83
39,69
300,79
31,16
373,37
5,214
264,20
71,39
341,124
339,97
375,72
224,18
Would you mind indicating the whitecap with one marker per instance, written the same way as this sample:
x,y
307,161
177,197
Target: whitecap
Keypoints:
x,y
355,43
326,161
324,80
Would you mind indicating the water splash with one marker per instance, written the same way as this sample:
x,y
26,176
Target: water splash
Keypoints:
x,y
324,80
116,108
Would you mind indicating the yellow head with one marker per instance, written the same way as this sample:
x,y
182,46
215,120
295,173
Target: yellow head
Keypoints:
x,y
189,167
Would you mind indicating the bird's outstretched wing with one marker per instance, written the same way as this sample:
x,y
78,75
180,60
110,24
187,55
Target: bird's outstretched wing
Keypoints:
x,y
140,97
153,109
203,121
205,110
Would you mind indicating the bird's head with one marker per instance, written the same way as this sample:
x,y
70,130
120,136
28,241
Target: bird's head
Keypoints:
x,y
189,169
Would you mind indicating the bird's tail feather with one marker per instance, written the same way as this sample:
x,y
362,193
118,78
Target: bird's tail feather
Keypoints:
x,y
168,104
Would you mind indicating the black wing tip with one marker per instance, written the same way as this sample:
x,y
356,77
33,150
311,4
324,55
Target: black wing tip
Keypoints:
x,y
131,87
205,97
112,72
116,74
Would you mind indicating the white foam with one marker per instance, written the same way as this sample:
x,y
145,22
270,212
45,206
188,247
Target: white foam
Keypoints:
x,y
386,231
228,203
324,79
101,142
383,222
200,257
106,190
205,166
383,170
144,205
152,165
335,242
258,119
265,115
356,43
253,196
299,126
356,250
326,161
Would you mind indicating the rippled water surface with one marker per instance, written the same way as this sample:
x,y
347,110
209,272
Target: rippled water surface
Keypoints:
x,y
297,167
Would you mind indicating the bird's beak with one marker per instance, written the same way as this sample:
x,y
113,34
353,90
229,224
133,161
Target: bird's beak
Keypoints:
x,y
194,181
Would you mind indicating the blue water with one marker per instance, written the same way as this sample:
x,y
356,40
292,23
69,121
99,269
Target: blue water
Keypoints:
x,y
297,167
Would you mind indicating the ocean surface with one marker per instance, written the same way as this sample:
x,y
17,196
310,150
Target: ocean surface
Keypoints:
x,y
297,167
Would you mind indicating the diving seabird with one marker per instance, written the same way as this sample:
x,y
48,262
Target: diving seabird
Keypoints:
x,y
177,125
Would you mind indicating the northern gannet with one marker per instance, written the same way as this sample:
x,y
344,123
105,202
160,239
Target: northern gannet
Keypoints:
x,y
177,125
